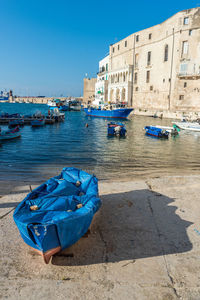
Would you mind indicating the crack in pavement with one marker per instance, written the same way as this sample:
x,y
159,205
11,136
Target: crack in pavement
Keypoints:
x,y
162,248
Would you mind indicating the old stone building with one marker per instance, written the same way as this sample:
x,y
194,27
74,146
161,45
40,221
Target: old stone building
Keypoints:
x,y
158,68
89,89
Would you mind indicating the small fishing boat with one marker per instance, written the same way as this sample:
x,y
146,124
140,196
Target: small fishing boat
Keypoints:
x,y
38,123
59,212
10,134
116,129
156,132
74,105
14,123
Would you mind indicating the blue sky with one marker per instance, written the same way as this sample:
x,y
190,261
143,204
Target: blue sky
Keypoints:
x,y
47,46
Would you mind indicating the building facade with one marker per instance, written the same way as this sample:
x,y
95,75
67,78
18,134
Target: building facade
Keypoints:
x,y
101,86
158,68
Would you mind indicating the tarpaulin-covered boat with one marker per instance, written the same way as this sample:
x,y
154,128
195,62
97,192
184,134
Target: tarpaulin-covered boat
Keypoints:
x,y
59,212
116,129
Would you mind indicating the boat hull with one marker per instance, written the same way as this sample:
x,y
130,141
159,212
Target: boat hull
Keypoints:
x,y
156,132
121,113
37,123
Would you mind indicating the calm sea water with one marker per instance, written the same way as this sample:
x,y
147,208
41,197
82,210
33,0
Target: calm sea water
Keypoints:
x,y
41,153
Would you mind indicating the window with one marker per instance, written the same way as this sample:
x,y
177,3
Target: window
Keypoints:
x,y
183,69
125,44
151,87
163,80
186,21
190,32
148,77
136,60
135,78
166,53
181,97
106,67
185,84
113,49
137,38
150,36
185,47
118,47
136,88
149,58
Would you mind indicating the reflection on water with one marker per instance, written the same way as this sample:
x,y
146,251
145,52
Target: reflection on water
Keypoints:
x,y
42,152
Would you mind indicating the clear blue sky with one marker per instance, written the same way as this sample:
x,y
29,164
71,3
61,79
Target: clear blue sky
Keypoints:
x,y
47,46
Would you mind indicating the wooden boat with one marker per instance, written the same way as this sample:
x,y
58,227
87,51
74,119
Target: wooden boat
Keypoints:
x,y
10,134
156,132
38,123
59,212
116,129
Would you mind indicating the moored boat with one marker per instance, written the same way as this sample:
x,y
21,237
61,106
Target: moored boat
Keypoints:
x,y
190,126
120,113
38,123
14,123
156,132
10,134
116,129
59,212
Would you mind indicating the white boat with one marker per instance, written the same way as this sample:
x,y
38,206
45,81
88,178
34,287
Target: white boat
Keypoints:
x,y
190,126
51,103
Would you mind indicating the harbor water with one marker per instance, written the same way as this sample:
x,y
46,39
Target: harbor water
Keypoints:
x,y
41,153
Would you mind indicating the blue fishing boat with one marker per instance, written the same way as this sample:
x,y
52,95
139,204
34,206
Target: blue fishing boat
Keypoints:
x,y
59,212
38,123
10,134
112,112
156,132
14,123
116,129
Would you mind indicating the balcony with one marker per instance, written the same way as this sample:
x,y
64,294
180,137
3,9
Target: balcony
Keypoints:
x,y
189,75
189,71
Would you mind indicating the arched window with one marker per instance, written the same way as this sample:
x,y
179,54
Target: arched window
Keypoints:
x,y
166,53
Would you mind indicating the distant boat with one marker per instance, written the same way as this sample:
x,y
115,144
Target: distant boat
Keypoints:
x,y
59,212
4,96
190,126
74,105
109,112
38,123
116,129
10,134
14,123
156,132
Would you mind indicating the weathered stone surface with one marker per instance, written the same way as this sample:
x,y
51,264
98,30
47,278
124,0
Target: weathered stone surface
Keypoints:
x,y
143,244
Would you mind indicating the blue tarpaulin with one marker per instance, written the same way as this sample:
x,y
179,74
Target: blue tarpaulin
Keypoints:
x,y
58,212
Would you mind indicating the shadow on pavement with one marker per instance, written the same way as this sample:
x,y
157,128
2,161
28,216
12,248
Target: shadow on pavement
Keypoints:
x,y
129,226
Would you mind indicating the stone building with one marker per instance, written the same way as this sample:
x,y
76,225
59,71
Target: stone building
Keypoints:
x,y
89,90
158,68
